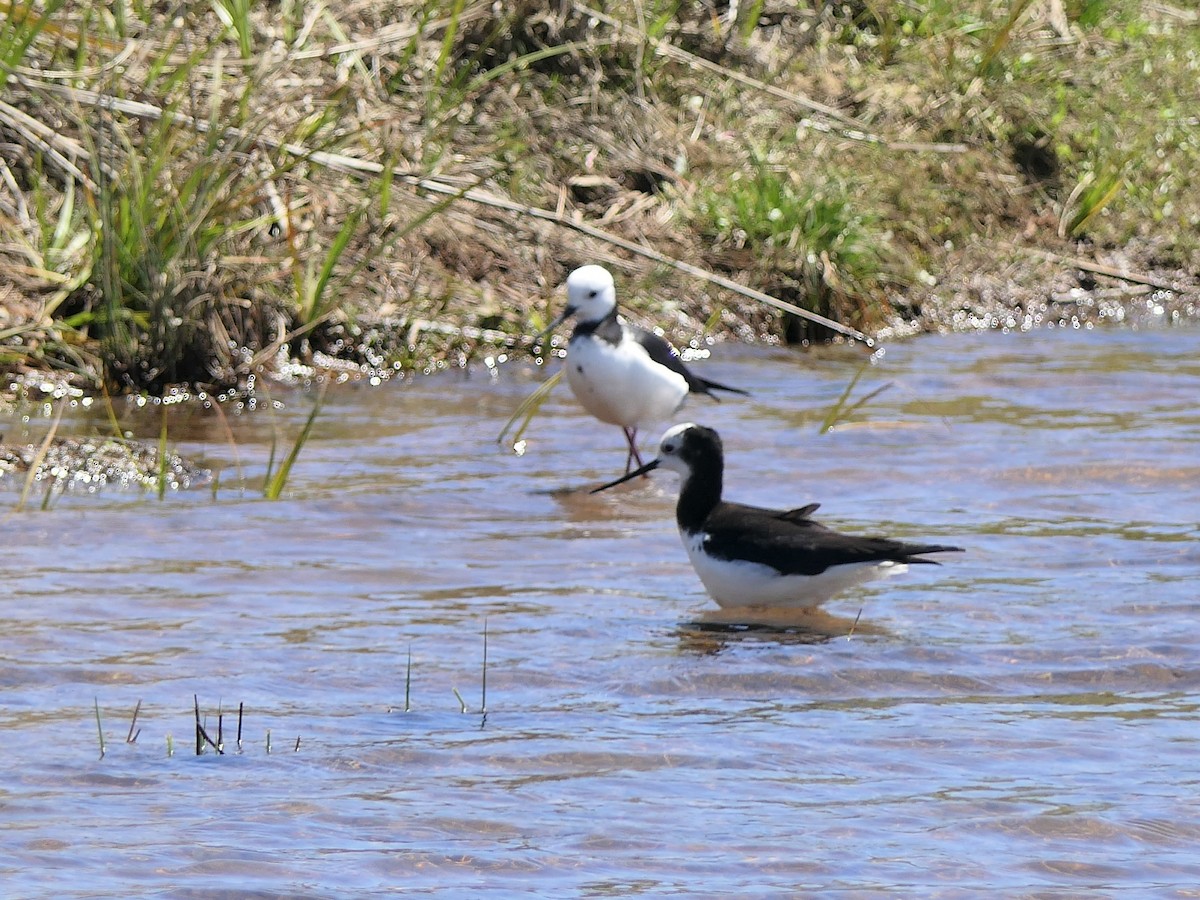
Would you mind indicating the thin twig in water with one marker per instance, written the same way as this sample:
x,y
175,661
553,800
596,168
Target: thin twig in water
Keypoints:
x,y
296,749
99,727
483,690
462,704
202,737
239,731
132,737
408,680
850,633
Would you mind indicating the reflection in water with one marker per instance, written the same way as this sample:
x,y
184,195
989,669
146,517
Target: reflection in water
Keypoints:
x,y
1010,725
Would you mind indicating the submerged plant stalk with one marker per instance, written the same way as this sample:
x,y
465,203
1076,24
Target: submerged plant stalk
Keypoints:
x,y
483,686
132,737
408,680
99,727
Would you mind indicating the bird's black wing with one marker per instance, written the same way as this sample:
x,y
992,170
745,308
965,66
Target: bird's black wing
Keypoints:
x,y
665,355
797,545
800,512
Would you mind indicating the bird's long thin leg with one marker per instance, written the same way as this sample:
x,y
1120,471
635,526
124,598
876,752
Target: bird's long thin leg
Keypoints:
x,y
631,437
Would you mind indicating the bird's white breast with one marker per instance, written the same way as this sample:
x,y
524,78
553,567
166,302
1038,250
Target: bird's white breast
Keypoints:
x,y
733,583
620,384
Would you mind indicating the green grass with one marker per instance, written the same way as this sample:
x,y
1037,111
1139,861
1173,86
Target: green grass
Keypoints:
x,y
818,235
841,409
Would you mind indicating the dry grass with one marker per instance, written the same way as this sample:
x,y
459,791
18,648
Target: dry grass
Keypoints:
x,y
188,191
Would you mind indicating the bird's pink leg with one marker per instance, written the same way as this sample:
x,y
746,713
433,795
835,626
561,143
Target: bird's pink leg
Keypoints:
x,y
631,437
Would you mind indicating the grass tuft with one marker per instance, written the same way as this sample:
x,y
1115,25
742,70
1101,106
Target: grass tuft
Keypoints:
x,y
817,237
842,409
1094,192
527,409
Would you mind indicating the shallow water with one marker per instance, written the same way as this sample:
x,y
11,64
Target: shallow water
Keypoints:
x,y
1020,720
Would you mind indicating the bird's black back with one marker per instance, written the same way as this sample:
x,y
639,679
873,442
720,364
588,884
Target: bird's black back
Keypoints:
x,y
797,545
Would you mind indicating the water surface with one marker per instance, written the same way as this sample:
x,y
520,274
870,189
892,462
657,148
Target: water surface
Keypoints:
x,y
1020,720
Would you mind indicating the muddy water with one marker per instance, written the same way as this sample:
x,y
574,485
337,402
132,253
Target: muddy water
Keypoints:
x,y
1019,721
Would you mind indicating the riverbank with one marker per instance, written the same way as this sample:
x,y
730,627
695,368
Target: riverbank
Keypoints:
x,y
404,186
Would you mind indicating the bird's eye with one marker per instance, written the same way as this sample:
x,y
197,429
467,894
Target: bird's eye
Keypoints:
x,y
668,448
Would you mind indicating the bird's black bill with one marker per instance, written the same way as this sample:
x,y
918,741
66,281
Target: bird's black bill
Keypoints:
x,y
642,470
566,314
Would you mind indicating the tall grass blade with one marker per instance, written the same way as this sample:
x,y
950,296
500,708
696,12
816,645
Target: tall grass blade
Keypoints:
x,y
40,457
752,16
529,408
713,320
111,412
838,409
19,30
865,400
313,305
162,456
277,481
1093,197
1002,37
48,494
529,59
447,42
270,476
